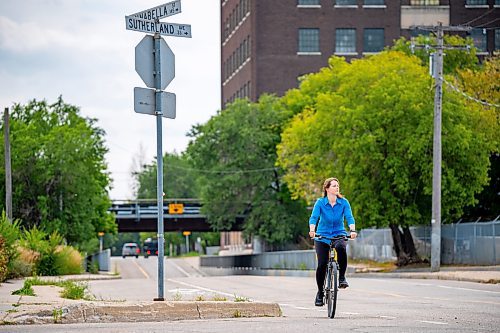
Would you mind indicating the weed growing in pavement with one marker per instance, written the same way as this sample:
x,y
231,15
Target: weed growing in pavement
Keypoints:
x,y
219,298
241,298
26,290
200,298
237,314
57,315
177,296
71,290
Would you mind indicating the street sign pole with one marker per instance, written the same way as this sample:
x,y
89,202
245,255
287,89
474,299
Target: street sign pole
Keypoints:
x,y
159,164
157,74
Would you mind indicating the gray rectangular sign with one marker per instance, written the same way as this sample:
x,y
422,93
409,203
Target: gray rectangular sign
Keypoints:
x,y
162,28
161,11
145,102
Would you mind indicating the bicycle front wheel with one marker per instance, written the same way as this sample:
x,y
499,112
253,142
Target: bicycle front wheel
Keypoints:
x,y
332,288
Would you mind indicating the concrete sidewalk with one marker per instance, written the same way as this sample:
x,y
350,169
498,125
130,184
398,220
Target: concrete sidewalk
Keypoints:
x,y
47,307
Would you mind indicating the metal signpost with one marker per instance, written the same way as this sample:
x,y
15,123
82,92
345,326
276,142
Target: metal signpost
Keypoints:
x,y
155,64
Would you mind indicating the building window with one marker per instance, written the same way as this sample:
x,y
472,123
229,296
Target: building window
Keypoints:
x,y
374,2
424,2
308,40
308,3
345,40
479,38
497,39
346,2
476,2
373,40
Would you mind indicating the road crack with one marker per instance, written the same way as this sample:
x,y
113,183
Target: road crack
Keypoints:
x,y
198,309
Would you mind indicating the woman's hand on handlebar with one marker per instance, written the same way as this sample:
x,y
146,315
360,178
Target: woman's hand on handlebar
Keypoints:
x,y
312,234
353,234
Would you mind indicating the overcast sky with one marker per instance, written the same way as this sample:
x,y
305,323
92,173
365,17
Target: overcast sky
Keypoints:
x,y
81,50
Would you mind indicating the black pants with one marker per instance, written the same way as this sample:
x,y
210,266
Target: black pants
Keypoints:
x,y
323,253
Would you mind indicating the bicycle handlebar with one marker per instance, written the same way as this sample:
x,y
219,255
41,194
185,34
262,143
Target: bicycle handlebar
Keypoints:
x,y
334,238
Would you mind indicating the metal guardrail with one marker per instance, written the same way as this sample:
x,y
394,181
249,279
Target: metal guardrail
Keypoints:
x,y
149,209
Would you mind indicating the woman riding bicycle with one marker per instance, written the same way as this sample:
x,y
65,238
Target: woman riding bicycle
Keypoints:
x,y
328,215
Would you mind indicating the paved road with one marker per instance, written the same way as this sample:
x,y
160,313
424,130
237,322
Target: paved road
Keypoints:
x,y
369,305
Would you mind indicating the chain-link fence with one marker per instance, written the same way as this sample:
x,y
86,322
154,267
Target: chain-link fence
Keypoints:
x,y
470,243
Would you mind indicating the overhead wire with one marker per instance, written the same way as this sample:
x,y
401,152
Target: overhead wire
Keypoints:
x,y
470,97
479,17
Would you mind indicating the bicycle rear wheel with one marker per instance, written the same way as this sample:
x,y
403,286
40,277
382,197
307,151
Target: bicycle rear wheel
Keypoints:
x,y
332,288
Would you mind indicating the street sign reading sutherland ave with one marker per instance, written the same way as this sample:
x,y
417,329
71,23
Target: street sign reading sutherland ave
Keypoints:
x,y
145,102
145,62
162,28
160,12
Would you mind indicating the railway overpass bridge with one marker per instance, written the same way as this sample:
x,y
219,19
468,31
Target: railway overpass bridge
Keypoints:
x,y
178,215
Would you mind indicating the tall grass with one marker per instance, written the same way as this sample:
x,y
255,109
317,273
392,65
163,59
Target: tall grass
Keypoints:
x,y
34,251
9,233
68,260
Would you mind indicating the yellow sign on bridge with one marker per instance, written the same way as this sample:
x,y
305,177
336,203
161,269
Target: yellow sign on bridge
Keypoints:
x,y
175,208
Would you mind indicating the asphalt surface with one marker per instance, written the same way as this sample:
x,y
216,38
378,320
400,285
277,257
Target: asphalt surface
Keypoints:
x,y
411,301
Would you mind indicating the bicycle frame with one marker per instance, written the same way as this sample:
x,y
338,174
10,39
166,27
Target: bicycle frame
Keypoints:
x,y
330,286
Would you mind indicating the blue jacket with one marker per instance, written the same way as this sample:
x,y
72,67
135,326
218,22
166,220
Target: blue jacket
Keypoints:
x,y
331,219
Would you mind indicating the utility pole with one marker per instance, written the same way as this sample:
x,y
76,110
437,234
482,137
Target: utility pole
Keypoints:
x,y
437,73
8,168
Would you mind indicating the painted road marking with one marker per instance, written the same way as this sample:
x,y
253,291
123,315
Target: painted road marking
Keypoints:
x,y
179,268
203,288
141,269
433,322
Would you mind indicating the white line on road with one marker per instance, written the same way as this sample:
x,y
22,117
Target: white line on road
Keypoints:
x,y
203,288
454,300
179,268
469,289
141,269
433,322
387,317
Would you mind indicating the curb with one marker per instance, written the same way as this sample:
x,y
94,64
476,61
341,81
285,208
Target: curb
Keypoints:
x,y
140,312
429,276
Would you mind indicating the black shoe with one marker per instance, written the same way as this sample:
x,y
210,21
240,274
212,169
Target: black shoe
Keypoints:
x,y
343,283
319,299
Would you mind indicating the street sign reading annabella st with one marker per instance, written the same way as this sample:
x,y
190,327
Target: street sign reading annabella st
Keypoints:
x,y
160,12
162,28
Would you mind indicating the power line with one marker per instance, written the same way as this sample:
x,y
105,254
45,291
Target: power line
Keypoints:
x,y
470,97
215,171
480,16
482,26
225,171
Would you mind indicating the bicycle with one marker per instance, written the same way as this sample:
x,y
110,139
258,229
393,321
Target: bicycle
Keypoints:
x,y
330,287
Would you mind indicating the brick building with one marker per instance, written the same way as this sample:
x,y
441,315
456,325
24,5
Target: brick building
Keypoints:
x,y
266,45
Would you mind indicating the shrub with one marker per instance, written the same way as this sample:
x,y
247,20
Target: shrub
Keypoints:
x,y
4,260
68,260
10,234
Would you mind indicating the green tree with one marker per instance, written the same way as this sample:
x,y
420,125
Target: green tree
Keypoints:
x,y
236,153
371,126
455,59
179,179
483,85
59,176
